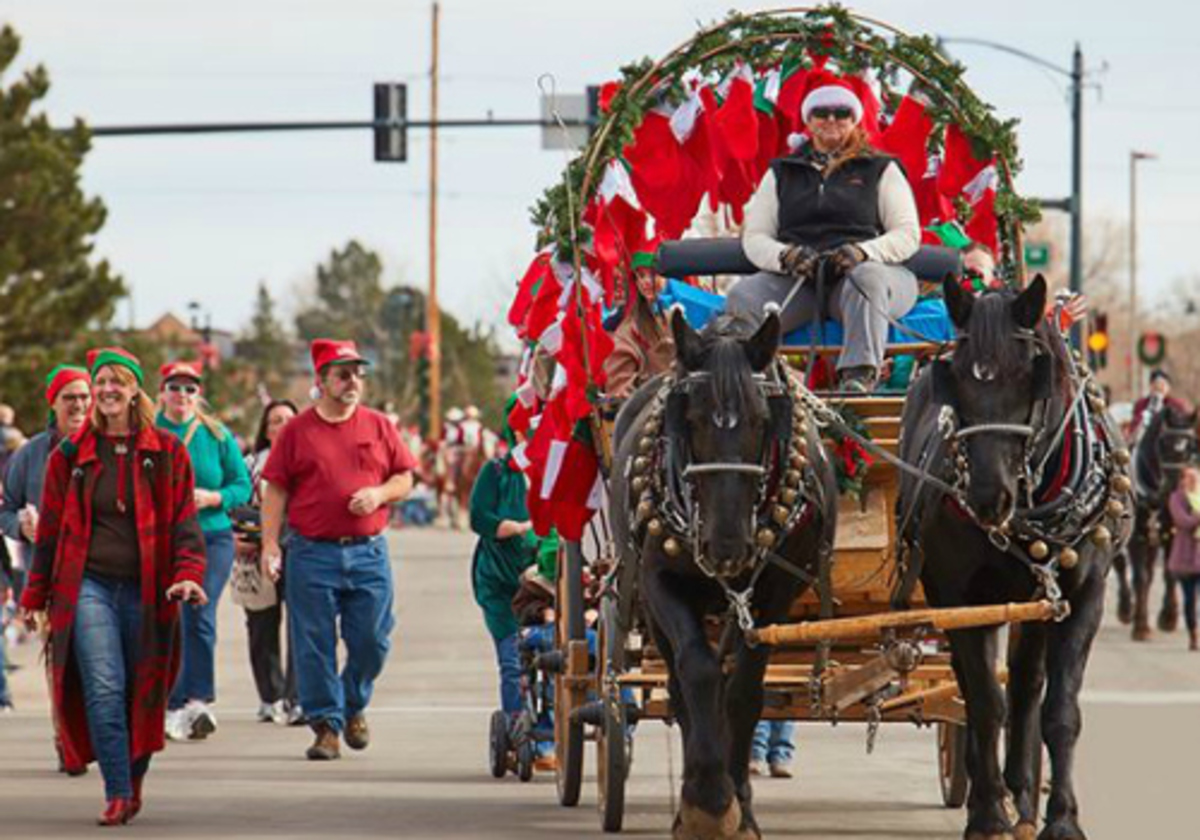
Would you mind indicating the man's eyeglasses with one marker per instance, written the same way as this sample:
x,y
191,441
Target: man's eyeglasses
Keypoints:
x,y
831,113
345,373
185,388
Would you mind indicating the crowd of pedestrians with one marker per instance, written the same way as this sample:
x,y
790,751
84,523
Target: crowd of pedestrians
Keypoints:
x,y
129,516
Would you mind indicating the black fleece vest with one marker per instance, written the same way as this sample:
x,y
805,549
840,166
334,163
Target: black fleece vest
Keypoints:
x,y
824,213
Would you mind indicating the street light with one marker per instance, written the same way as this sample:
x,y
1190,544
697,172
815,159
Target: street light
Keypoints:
x,y
1074,204
1135,373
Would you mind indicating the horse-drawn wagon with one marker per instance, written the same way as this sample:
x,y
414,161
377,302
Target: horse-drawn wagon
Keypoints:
x,y
736,578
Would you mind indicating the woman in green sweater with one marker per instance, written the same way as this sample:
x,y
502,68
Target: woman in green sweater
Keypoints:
x,y
222,483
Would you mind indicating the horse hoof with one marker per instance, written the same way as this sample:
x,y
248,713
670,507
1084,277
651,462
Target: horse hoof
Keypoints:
x,y
692,823
1141,634
1168,622
1026,831
1124,609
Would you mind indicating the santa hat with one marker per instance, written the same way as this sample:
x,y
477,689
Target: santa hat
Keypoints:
x,y
834,93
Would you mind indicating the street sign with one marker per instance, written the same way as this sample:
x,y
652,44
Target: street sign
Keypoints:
x,y
391,114
1037,254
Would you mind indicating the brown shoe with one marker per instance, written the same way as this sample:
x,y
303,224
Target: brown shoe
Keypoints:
x,y
545,763
1193,640
358,734
325,747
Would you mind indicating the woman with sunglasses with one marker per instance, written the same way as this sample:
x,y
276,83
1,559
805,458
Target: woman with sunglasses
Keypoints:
x,y
835,202
222,483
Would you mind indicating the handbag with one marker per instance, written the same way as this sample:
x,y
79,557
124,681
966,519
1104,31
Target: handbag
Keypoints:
x,y
249,587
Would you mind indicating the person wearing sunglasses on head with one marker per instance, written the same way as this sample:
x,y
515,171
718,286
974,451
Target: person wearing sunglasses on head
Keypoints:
x,y
222,483
839,203
335,469
118,546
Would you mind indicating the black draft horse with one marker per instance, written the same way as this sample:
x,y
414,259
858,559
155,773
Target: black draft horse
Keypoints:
x,y
1163,448
715,470
1040,503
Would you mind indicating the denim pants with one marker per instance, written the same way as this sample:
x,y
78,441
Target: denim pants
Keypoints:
x,y
773,741
508,658
198,626
5,697
108,619
331,587
1190,584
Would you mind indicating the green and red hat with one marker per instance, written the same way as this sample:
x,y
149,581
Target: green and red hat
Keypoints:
x,y
327,351
104,356
642,259
61,377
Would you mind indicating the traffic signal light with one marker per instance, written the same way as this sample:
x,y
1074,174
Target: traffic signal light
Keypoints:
x,y
391,112
1098,341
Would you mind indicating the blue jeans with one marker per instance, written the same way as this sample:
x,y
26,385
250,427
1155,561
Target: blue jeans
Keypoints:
x,y
198,626
508,658
328,585
5,697
108,619
773,741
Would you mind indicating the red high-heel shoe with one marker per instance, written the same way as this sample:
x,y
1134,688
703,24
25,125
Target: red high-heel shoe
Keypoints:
x,y
135,804
118,812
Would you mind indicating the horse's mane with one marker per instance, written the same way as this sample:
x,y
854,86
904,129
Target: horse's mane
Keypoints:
x,y
731,377
991,341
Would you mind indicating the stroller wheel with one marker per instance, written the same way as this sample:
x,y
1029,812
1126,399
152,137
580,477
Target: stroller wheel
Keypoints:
x,y
498,744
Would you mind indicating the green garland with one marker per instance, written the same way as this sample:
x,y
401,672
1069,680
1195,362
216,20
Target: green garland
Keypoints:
x,y
851,462
767,39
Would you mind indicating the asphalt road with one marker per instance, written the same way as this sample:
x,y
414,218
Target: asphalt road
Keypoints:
x,y
425,773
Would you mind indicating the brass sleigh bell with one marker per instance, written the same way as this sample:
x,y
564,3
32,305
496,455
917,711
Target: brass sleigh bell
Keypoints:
x,y
1068,558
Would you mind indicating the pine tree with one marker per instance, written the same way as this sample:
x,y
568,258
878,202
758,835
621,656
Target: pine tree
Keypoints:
x,y
265,346
55,299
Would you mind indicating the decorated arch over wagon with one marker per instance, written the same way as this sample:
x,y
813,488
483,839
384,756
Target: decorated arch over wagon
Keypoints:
x,y
692,134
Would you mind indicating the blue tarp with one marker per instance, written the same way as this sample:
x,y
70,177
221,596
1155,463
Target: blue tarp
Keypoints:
x,y
928,318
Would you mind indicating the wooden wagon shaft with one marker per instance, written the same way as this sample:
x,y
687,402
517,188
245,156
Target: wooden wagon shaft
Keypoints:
x,y
962,618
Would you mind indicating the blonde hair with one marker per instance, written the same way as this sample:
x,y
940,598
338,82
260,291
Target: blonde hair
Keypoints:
x,y
857,145
203,414
141,408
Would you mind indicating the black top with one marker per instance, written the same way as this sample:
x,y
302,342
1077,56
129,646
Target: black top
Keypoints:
x,y
113,550
826,212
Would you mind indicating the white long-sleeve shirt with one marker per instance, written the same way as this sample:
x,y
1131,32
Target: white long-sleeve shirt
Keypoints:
x,y
900,239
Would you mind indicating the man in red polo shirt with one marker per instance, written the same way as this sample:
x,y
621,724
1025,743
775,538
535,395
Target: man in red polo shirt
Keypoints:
x,y
335,468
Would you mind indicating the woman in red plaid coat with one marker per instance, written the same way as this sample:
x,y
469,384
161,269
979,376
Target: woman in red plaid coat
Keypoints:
x,y
118,544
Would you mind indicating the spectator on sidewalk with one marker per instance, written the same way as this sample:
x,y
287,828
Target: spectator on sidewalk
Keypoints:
x,y
222,484
335,469
118,542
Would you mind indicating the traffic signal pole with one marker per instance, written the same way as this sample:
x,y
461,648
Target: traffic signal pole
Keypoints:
x,y
433,315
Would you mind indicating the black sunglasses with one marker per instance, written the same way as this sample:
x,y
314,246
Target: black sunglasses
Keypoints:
x,y
183,388
831,113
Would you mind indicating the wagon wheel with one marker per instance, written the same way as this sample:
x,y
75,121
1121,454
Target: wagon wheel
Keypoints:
x,y
952,763
571,641
612,760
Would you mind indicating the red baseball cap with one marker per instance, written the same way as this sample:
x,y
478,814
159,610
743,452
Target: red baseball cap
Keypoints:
x,y
176,370
327,351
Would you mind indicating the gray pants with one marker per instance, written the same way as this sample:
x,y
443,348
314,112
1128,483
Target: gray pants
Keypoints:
x,y
861,303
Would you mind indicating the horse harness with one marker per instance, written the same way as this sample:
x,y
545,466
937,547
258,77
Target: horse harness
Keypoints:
x,y
1047,526
663,477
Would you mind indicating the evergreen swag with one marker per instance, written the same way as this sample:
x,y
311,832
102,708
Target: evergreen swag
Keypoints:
x,y
850,460
770,39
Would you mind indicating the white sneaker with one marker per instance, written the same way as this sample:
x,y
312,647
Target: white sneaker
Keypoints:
x,y
265,713
176,725
200,721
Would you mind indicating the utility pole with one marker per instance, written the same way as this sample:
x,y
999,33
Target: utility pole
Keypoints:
x,y
1135,372
433,318
1076,282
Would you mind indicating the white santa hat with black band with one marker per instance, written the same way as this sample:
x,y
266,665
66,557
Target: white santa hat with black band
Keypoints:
x,y
831,96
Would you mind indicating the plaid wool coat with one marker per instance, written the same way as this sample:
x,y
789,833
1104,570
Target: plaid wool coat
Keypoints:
x,y
171,549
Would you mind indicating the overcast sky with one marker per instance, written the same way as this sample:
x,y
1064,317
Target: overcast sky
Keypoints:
x,y
206,218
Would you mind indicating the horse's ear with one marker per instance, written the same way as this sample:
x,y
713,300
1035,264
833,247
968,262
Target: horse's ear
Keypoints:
x,y
688,347
760,347
1029,306
958,302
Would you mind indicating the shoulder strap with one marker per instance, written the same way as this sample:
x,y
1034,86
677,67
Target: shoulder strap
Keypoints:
x,y
191,431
